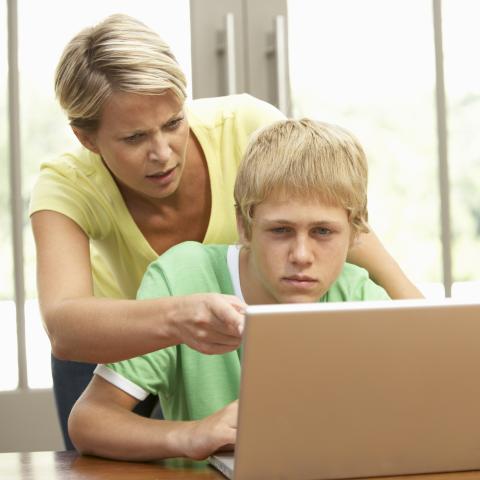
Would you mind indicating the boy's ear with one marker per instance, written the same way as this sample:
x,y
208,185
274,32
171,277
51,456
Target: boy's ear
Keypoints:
x,y
86,139
242,234
354,238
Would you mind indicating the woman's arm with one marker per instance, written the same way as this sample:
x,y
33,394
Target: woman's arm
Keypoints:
x,y
368,252
102,423
99,330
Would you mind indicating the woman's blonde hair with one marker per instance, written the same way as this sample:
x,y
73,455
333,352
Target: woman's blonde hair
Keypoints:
x,y
118,54
304,159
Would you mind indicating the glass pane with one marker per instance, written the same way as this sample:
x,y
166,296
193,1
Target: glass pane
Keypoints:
x,y
466,290
462,82
6,287
8,333
45,130
369,66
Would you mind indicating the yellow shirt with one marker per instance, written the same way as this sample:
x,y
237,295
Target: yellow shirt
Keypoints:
x,y
79,186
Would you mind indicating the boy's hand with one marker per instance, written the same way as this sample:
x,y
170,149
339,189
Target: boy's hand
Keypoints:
x,y
216,432
210,323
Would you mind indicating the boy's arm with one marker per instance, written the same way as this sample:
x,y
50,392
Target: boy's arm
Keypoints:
x,y
368,252
102,423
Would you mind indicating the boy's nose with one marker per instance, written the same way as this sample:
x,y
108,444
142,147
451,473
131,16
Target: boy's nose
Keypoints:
x,y
301,251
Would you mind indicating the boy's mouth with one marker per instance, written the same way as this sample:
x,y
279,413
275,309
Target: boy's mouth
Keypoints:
x,y
302,281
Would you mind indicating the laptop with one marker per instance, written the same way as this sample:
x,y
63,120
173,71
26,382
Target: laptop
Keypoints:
x,y
358,389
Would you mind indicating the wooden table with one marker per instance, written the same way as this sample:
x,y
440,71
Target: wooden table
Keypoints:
x,y
71,466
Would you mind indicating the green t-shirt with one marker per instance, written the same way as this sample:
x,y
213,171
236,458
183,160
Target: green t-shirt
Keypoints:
x,y
192,385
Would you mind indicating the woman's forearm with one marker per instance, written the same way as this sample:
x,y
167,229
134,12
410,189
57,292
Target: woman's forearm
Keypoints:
x,y
392,278
368,252
107,330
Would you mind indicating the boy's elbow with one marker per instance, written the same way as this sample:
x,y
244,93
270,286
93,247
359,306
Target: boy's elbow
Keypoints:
x,y
79,429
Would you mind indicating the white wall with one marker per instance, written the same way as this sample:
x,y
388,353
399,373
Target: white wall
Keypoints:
x,y
28,421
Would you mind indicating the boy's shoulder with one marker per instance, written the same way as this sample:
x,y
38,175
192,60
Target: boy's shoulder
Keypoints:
x,y
354,284
187,268
192,251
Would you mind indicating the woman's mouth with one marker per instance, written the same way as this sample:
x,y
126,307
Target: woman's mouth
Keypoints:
x,y
162,178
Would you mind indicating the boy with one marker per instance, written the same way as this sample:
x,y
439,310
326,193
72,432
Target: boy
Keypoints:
x,y
301,200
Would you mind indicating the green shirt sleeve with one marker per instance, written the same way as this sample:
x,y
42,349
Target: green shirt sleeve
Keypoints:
x,y
154,371
187,268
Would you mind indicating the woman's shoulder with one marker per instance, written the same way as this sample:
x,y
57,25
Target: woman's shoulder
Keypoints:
x,y
73,164
212,111
78,171
78,185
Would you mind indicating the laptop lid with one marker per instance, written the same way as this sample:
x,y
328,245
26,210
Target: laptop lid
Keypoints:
x,y
359,389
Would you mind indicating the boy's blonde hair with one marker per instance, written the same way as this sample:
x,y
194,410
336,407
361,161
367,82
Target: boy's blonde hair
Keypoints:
x,y
304,159
118,54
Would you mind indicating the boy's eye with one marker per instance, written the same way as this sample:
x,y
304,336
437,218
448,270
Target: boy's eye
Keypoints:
x,y
322,231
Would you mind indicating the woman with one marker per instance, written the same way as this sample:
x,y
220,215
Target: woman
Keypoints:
x,y
152,172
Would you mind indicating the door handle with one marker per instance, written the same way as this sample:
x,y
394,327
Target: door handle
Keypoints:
x,y
226,49
281,64
277,52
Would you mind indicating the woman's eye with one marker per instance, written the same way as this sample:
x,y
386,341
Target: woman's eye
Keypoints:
x,y
136,137
280,230
174,123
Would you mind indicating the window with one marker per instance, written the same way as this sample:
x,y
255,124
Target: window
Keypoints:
x,y
371,78
368,65
45,134
462,83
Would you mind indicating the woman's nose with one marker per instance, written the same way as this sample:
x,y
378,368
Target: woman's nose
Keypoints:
x,y
160,149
